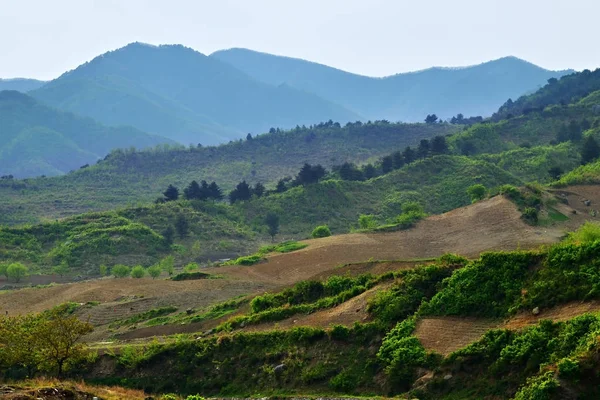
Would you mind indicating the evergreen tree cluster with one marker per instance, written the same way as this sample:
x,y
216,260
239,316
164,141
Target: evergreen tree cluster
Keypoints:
x,y
194,191
426,148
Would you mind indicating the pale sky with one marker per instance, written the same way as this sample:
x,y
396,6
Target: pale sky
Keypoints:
x,y
44,38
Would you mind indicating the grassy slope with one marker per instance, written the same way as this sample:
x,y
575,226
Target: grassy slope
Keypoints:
x,y
128,178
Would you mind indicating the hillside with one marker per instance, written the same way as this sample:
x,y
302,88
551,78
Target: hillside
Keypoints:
x,y
39,140
176,92
126,177
474,90
568,89
20,84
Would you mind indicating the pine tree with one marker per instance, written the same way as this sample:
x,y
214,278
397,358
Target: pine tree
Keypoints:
x,y
193,191
590,150
423,149
182,226
439,145
409,155
214,191
259,190
171,194
272,221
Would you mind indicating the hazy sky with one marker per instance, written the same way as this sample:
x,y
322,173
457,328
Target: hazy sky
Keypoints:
x,y
43,38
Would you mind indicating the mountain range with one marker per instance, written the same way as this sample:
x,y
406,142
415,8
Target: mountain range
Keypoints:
x,y
141,95
409,97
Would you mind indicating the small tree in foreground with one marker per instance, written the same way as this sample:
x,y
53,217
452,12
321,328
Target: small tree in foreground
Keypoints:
x,y
138,272
476,192
17,271
120,271
272,221
321,232
154,271
367,222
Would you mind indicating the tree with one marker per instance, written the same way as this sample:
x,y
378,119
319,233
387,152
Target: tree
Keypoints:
x,y
398,160
214,191
120,271
240,193
409,155
423,149
193,191
349,172
103,269
439,145
171,194
387,164
19,342
555,172
191,267
280,188
272,222
369,171
259,190
168,265
61,269
249,136
138,272
321,232
181,225
590,150
477,192
575,133
310,174
59,337
367,222
3,269
431,119
154,271
17,271
168,234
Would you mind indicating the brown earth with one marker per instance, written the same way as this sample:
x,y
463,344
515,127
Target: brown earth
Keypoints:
x,y
447,334
494,224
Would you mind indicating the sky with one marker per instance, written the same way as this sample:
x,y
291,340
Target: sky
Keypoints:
x,y
42,39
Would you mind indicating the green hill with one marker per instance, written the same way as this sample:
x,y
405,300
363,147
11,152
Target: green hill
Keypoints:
x,y
182,94
474,90
38,140
126,177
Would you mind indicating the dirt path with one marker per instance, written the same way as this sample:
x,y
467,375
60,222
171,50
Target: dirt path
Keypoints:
x,y
559,313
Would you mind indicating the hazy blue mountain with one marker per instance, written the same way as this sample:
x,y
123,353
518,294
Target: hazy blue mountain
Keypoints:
x,y
20,84
182,94
475,90
39,140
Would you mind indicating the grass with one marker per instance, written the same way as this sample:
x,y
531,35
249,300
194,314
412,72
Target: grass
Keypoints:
x,y
145,316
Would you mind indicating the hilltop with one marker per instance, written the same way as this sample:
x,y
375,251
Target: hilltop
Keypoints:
x,y
473,90
39,140
179,93
20,84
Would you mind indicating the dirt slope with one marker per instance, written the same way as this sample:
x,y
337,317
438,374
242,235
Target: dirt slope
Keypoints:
x,y
492,224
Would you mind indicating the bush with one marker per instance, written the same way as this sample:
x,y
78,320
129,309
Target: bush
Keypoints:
x,y
138,272
188,276
155,271
367,222
530,215
321,232
194,397
103,270
120,271
568,368
191,267
3,269
17,271
587,233
476,192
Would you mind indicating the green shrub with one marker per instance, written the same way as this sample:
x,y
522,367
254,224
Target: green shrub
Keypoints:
x,y
568,368
120,271
103,270
339,332
154,271
138,272
587,233
367,221
542,387
191,267
194,397
321,232
17,271
169,396
343,382
188,276
477,192
4,269
530,215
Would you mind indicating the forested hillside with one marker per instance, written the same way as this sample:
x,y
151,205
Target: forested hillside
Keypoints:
x,y
38,140
182,94
474,90
126,177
